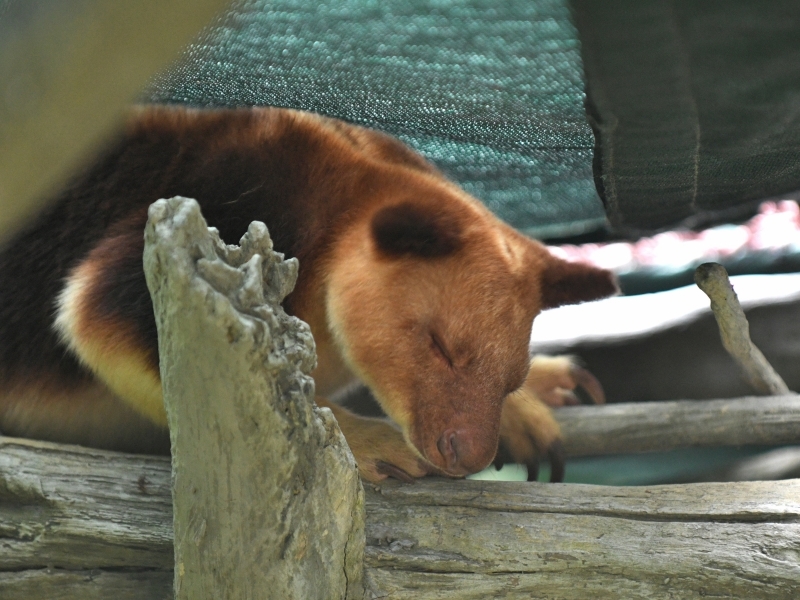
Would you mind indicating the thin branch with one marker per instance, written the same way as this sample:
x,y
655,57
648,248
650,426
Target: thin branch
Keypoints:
x,y
652,426
734,330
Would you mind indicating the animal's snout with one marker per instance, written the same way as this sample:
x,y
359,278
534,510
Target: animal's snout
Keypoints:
x,y
448,448
461,454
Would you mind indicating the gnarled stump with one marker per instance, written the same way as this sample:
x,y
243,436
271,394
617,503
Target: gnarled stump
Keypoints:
x,y
266,493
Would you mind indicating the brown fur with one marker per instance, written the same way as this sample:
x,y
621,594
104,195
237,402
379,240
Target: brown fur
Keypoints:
x,y
408,284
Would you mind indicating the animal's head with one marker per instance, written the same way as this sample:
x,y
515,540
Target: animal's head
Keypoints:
x,y
432,299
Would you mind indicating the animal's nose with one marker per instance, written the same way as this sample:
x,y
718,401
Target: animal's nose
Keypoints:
x,y
448,448
461,455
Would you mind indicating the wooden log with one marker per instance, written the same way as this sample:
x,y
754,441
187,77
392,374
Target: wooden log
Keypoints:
x,y
651,426
577,541
94,584
77,523
70,518
631,427
266,495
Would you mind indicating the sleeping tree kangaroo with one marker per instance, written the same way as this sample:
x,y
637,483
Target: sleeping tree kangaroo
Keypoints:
x,y
409,285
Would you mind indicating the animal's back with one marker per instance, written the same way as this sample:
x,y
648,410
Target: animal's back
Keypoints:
x,y
221,158
240,168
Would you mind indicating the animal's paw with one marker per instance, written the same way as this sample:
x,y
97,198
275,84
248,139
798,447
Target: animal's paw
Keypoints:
x,y
528,433
553,380
379,447
381,451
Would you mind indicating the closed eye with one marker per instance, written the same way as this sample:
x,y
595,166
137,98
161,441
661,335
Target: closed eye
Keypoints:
x,y
440,349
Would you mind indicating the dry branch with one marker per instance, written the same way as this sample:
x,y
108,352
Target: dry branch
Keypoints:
x,y
734,330
71,517
650,426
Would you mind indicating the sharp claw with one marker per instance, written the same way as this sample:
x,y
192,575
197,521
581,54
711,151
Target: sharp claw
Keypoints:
x,y
533,470
557,460
389,470
502,457
589,383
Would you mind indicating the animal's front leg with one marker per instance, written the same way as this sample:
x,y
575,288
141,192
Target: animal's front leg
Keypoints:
x,y
553,380
378,447
528,430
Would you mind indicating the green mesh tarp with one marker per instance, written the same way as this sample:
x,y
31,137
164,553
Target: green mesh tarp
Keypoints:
x,y
491,92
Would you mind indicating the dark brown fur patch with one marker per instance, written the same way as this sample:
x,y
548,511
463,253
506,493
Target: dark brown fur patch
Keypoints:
x,y
410,229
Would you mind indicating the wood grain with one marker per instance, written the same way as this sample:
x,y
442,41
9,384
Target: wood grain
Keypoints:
x,y
70,518
651,426
265,491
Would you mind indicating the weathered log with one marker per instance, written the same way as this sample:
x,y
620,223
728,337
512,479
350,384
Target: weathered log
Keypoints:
x,y
445,540
77,523
57,584
653,426
266,493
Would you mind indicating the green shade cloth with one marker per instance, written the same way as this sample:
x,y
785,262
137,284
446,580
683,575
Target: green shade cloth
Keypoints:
x,y
695,103
491,92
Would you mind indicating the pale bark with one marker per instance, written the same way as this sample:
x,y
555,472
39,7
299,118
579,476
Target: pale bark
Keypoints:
x,y
650,426
77,523
266,493
734,330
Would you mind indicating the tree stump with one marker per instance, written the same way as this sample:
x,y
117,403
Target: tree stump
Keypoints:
x,y
267,499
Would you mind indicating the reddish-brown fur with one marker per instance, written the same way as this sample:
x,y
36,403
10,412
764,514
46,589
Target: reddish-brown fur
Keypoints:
x,y
407,282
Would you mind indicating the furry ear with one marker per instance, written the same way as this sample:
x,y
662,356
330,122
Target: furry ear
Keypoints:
x,y
570,283
407,228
